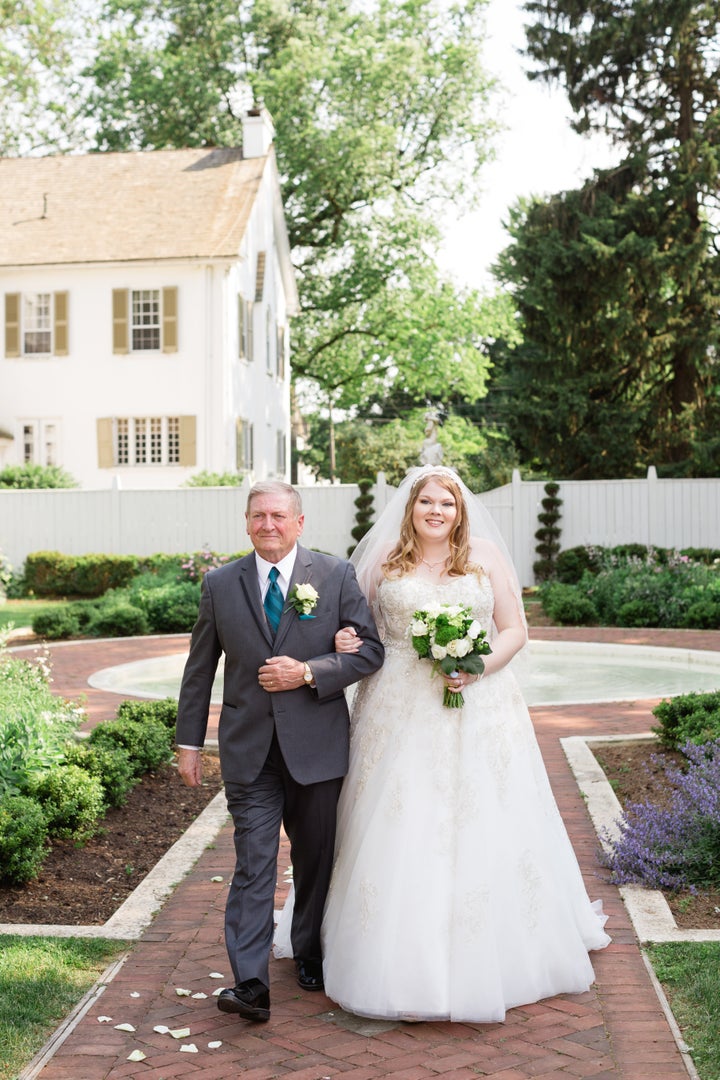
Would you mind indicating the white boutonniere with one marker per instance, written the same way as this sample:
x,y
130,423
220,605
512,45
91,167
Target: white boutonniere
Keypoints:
x,y
303,598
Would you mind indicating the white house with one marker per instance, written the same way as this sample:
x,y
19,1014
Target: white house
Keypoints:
x,y
146,304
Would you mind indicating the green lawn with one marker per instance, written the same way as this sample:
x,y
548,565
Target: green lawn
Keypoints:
x,y
22,612
41,981
690,975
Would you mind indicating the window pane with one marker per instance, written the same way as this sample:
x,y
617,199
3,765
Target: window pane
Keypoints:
x,y
173,437
28,443
50,440
141,441
156,440
145,319
36,323
123,442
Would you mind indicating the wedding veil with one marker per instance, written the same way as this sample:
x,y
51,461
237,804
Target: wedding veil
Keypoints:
x,y
374,547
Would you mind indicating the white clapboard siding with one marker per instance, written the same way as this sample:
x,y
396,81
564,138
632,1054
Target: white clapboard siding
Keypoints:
x,y
667,513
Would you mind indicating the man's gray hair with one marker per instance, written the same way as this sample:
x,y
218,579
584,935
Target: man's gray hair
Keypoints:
x,y
276,487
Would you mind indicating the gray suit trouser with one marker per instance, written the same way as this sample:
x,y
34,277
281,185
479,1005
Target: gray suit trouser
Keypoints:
x,y
308,814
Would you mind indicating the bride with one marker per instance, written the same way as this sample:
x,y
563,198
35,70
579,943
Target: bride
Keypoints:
x,y
455,894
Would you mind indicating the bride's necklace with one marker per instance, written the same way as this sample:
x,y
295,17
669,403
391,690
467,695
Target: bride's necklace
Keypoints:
x,y
432,565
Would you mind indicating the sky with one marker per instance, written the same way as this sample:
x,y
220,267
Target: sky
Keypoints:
x,y
538,153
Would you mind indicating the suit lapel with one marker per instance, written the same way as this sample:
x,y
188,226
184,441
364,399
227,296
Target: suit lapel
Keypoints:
x,y
300,574
251,588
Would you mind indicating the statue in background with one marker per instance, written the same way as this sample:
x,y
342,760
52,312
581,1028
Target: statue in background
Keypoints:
x,y
431,452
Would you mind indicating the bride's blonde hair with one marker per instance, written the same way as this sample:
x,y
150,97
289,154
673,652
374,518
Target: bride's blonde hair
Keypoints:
x,y
406,555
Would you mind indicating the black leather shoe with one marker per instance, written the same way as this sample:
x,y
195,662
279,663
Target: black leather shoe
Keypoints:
x,y
250,999
309,973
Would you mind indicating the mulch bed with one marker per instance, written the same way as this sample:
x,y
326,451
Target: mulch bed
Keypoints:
x,y
637,772
86,885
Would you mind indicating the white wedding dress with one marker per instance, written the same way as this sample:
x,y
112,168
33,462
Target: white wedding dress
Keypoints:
x,y
456,893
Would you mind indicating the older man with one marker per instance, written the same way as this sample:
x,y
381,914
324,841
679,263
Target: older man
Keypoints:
x,y
283,729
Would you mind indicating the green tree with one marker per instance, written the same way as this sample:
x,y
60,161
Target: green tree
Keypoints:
x,y
37,64
381,121
646,72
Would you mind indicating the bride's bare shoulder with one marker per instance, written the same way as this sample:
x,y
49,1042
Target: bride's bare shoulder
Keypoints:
x,y
484,552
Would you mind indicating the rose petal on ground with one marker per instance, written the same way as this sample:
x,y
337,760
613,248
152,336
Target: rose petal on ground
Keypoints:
x,y
188,1048
124,1027
214,1045
134,994
182,993
137,1055
104,1019
180,1033
218,878
216,975
162,1029
200,995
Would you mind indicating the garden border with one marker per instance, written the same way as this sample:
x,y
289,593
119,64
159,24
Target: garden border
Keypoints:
x,y
648,909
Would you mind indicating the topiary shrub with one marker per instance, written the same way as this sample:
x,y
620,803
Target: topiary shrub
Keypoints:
x,y
363,514
72,801
567,605
117,618
113,769
56,624
165,711
148,741
23,838
548,535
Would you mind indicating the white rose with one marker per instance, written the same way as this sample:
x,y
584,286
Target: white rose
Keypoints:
x,y
418,628
474,629
439,652
306,592
461,647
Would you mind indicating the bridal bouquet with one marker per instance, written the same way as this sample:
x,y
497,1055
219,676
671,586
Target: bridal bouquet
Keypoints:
x,y
448,635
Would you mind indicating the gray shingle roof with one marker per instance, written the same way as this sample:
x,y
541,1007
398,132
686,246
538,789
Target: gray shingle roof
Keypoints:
x,y
90,208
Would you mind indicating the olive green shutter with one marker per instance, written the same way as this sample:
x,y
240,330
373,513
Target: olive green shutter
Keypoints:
x,y
106,457
61,324
169,319
12,324
188,440
120,321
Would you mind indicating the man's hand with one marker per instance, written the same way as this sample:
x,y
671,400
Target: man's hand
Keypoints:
x,y
281,673
190,767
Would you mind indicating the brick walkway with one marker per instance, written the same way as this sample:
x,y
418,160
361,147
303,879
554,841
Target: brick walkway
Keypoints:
x,y
617,1030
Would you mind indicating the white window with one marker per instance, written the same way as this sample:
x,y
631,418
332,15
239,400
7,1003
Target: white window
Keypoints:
x,y
40,442
268,342
146,440
244,446
37,323
280,453
145,319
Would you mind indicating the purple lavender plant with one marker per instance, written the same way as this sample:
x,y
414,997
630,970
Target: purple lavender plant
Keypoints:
x,y
677,846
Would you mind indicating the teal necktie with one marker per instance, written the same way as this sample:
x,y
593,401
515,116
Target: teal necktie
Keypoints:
x,y
274,601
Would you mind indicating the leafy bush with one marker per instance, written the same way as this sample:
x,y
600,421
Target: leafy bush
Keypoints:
x,y
49,573
677,845
35,476
567,605
634,591
23,839
56,624
703,614
572,563
148,741
113,769
71,800
164,710
6,575
688,718
117,618
172,609
35,724
214,479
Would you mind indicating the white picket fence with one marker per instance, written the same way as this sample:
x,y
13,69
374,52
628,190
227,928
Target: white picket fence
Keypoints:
x,y
667,513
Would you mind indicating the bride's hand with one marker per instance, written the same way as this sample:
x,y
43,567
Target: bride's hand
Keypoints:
x,y
347,641
457,681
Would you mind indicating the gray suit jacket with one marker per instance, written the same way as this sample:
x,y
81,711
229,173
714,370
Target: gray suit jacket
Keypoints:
x,y
311,724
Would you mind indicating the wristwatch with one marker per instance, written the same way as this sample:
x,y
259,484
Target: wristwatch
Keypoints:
x,y
308,675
